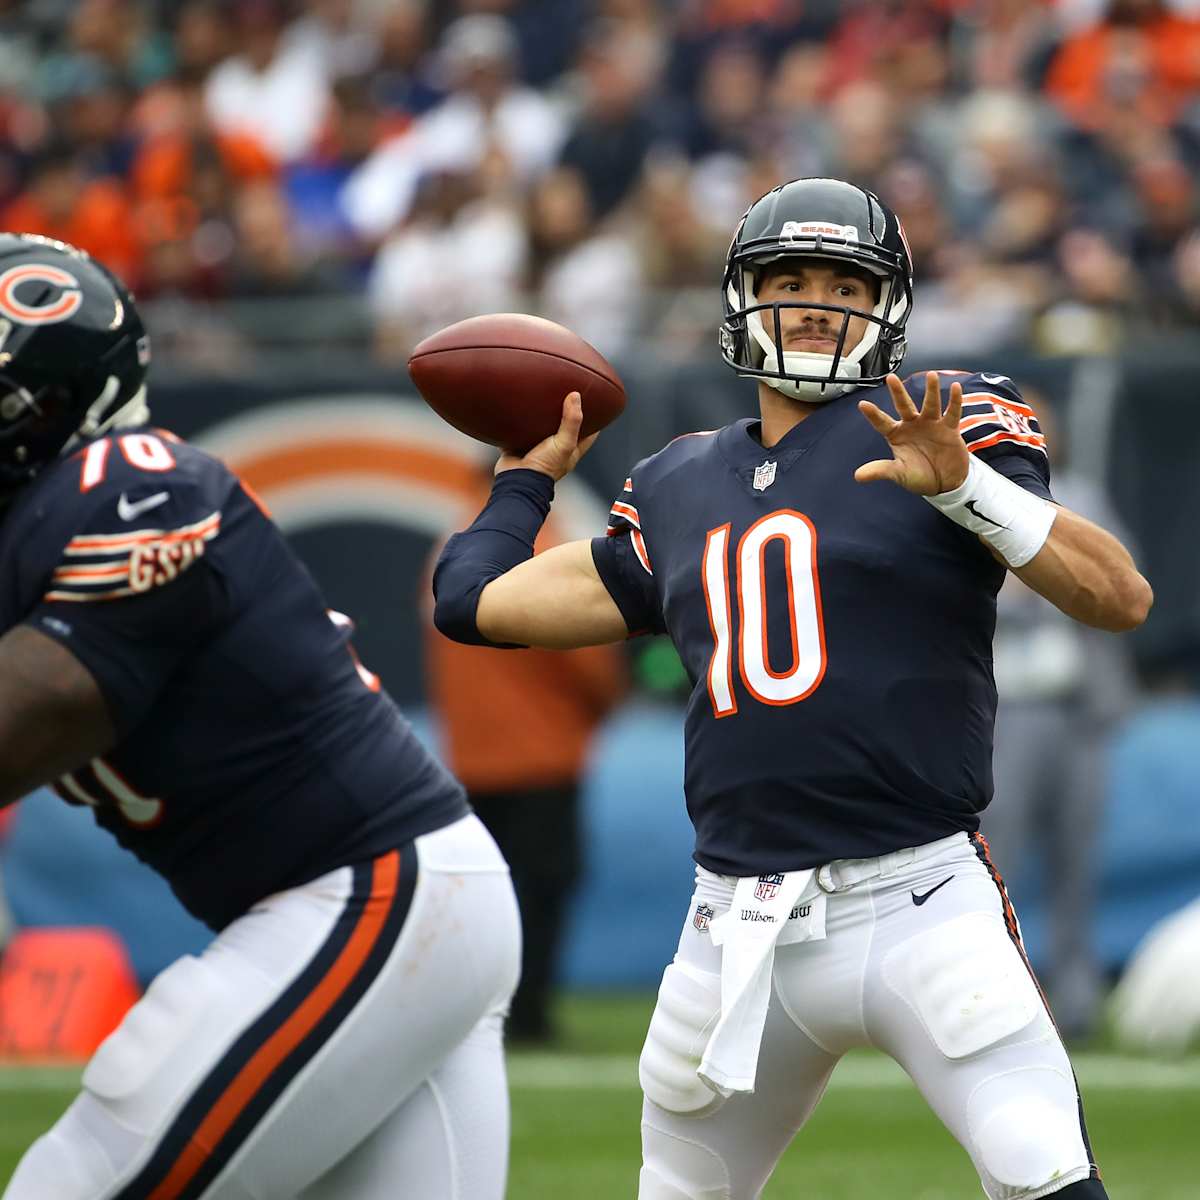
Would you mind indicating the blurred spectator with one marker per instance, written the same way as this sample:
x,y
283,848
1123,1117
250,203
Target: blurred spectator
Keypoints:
x,y
1005,45
547,31
702,26
586,278
680,255
88,105
485,109
797,107
1100,306
267,262
729,115
1049,152
352,131
461,252
1140,60
1063,689
400,82
60,201
612,135
1167,214
516,727
1185,278
181,138
118,33
871,40
270,89
865,134
184,179
340,46
203,36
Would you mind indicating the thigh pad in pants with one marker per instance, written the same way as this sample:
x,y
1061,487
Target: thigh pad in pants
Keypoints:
x,y
967,983
689,1005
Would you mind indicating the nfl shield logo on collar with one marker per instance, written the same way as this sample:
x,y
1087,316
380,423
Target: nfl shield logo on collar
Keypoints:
x,y
768,885
704,914
764,475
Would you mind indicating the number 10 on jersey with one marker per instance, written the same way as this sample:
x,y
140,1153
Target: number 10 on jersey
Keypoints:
x,y
747,566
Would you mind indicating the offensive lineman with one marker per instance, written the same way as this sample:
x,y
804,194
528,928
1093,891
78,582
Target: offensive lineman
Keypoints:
x,y
838,738
167,660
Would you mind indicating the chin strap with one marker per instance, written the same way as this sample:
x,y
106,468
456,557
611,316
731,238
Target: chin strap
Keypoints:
x,y
135,411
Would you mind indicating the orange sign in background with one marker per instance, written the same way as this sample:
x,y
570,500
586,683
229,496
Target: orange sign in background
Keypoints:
x,y
62,992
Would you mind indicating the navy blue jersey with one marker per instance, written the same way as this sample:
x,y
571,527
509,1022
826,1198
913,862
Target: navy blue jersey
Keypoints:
x,y
253,751
837,635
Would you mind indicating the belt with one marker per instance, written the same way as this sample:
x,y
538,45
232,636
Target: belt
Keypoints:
x,y
844,873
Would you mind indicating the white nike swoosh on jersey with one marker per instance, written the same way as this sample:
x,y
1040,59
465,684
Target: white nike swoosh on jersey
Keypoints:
x,y
987,378
127,510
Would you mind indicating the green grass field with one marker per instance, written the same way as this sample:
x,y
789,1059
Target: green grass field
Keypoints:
x,y
575,1122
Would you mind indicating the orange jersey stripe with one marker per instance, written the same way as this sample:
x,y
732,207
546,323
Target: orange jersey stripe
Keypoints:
x,y
639,548
97,574
1035,440
116,542
115,594
290,1034
991,397
621,509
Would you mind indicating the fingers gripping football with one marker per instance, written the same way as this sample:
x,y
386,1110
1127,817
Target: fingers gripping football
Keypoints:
x,y
558,454
929,455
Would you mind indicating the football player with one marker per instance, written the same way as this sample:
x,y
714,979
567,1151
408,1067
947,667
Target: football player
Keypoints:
x,y
167,661
834,608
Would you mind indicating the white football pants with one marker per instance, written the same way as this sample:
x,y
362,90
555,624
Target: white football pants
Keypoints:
x,y
341,1040
922,959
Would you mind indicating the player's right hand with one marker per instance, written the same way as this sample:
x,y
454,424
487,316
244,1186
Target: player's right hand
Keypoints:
x,y
559,453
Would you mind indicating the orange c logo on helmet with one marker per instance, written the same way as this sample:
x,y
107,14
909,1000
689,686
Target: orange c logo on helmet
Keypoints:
x,y
60,307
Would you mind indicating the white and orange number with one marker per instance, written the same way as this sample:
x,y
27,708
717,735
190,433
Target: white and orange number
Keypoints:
x,y
806,664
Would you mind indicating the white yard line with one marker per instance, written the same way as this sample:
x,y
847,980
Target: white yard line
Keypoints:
x,y
618,1072
1096,1072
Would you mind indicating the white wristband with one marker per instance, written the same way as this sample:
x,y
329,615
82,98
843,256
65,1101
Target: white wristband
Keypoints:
x,y
1003,513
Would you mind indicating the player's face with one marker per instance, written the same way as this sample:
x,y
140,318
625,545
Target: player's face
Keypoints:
x,y
816,330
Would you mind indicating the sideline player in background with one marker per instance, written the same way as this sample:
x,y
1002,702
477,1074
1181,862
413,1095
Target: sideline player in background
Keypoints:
x,y
167,660
838,737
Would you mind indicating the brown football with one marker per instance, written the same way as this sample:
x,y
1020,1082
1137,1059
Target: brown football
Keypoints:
x,y
502,379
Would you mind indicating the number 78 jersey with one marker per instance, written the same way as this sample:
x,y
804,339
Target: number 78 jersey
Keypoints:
x,y
837,635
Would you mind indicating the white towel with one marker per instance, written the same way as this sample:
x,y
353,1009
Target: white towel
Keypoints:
x,y
761,909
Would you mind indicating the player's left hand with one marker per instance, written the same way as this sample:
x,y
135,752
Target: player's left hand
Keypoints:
x,y
930,455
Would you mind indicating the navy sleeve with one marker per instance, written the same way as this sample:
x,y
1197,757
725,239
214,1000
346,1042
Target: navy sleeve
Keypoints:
x,y
131,647
1023,473
134,592
1002,430
623,562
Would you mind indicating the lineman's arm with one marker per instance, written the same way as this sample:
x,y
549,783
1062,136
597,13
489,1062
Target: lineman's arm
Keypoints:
x,y
487,585
1079,567
555,600
53,717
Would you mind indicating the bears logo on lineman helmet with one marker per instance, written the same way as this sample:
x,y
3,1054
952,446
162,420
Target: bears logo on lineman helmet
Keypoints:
x,y
73,352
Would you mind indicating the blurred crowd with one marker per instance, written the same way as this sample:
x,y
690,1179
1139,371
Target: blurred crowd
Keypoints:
x,y
588,159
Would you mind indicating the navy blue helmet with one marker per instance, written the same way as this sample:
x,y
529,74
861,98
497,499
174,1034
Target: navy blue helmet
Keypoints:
x,y
825,219
73,352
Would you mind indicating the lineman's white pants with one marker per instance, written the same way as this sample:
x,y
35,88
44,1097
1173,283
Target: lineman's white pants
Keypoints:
x,y
341,1040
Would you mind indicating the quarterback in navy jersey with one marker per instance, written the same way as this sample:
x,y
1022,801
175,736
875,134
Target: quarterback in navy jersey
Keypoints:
x,y
166,660
834,608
